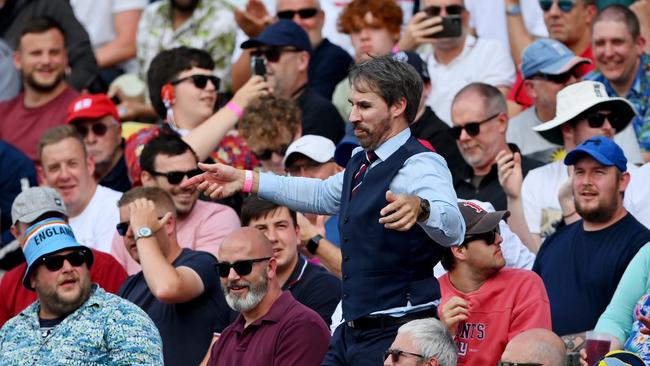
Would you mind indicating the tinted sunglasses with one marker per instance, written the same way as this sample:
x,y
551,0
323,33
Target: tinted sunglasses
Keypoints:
x,y
242,268
99,129
123,227
562,78
472,128
176,177
273,54
200,81
597,119
76,259
305,13
395,354
490,237
266,154
434,11
564,5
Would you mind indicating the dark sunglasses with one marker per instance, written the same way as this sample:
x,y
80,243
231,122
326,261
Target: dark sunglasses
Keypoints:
x,y
266,154
564,5
176,177
395,354
99,129
490,237
597,119
123,227
200,81
242,268
305,13
273,54
507,363
76,259
472,128
562,78
434,11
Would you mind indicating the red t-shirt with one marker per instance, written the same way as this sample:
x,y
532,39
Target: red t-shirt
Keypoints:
x,y
22,126
14,298
518,93
512,301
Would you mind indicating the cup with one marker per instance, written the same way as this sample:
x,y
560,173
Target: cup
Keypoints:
x,y
598,345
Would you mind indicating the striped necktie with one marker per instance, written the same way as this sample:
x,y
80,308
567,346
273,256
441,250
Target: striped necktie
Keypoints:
x,y
370,157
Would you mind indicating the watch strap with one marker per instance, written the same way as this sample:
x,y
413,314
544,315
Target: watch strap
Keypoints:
x,y
312,244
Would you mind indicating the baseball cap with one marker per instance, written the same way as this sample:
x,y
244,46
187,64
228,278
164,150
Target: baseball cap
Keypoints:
x,y
317,148
548,56
621,358
580,97
91,106
479,221
47,237
284,32
413,59
344,149
602,149
34,202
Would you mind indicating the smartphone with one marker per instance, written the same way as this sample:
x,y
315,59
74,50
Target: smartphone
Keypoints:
x,y
258,66
451,27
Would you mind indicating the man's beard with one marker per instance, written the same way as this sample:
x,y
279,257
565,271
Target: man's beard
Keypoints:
x,y
603,212
185,6
256,292
44,88
59,306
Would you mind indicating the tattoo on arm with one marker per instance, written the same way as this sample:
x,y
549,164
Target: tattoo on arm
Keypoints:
x,y
574,342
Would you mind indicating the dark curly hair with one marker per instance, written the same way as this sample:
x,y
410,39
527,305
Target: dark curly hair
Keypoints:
x,y
385,13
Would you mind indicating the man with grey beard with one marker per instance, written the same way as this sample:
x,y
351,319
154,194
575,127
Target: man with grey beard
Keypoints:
x,y
272,328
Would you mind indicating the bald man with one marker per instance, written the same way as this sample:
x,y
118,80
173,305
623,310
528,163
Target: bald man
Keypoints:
x,y
535,346
271,323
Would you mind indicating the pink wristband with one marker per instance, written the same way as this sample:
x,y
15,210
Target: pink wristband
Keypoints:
x,y
235,109
248,182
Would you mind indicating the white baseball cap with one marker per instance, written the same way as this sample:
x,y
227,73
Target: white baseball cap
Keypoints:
x,y
317,148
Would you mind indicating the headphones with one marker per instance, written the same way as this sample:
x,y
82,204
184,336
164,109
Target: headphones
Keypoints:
x,y
167,95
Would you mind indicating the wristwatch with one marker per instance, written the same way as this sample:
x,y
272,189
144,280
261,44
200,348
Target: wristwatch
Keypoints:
x,y
143,232
513,9
312,244
425,210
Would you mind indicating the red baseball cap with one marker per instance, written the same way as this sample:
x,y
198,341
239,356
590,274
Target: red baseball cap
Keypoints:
x,y
91,106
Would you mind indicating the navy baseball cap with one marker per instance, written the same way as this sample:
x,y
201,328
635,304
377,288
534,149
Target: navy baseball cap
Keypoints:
x,y
284,32
413,59
548,56
601,149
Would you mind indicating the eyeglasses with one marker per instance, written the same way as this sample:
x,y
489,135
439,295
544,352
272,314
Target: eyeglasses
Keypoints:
x,y
597,119
564,5
434,11
99,129
507,363
305,13
273,54
266,154
472,128
490,237
176,177
123,227
76,259
242,268
562,78
395,354
200,81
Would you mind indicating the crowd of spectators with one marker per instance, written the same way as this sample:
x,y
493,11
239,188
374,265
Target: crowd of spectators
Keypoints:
x,y
307,182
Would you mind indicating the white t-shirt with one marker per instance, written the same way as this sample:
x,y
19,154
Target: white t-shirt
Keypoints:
x,y
95,226
483,60
539,194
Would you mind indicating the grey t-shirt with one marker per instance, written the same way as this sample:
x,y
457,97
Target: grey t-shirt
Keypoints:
x,y
532,144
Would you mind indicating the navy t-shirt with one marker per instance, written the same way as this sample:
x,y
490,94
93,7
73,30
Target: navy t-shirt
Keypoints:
x,y
581,270
186,329
328,65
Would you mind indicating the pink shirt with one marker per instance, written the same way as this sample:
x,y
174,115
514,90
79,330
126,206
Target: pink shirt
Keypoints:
x,y
512,301
203,229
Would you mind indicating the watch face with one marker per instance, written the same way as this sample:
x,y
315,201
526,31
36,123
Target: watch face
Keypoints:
x,y
144,232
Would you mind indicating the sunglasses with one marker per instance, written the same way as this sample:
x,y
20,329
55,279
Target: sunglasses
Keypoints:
x,y
123,227
99,129
273,54
76,259
562,78
200,81
597,119
434,11
395,354
176,177
472,128
242,268
266,154
305,13
490,237
564,5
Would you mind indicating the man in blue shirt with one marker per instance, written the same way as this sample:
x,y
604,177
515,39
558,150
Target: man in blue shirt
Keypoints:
x,y
394,200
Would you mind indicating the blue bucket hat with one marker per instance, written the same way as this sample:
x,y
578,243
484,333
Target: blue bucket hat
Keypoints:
x,y
284,32
602,149
48,237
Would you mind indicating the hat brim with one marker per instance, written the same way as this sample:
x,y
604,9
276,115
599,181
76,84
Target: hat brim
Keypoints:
x,y
488,222
89,114
32,216
551,130
564,65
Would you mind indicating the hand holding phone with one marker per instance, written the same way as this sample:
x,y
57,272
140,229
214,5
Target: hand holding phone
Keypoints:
x,y
451,27
258,66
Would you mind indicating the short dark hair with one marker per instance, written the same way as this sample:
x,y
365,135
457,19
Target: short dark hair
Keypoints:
x,y
39,25
255,208
167,143
493,100
620,13
448,260
166,66
392,80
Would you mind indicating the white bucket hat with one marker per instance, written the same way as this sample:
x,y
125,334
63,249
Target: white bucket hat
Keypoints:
x,y
577,98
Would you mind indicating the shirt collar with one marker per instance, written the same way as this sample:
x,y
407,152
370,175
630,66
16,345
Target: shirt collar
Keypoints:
x,y
274,315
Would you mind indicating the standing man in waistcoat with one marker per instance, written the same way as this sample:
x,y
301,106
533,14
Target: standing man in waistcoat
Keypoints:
x,y
396,205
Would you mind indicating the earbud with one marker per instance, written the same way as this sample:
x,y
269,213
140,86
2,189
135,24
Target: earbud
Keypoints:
x,y
167,95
